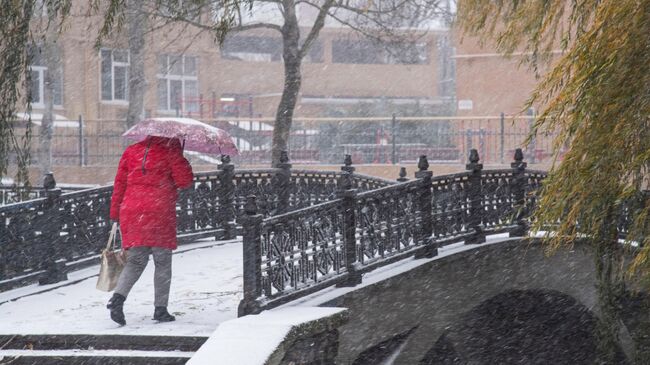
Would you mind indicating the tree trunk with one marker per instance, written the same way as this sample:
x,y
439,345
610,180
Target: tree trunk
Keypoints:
x,y
52,62
136,23
292,81
611,287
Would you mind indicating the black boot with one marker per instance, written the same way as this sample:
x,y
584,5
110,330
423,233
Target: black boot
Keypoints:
x,y
116,305
161,315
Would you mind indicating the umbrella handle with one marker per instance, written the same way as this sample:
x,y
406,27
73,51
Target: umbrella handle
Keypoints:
x,y
183,146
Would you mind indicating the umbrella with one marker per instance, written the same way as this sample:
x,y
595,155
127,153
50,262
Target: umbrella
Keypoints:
x,y
197,136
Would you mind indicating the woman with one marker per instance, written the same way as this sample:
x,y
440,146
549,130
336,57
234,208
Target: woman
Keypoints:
x,y
144,203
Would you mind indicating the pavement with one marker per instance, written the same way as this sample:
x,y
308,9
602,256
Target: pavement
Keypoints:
x,y
206,290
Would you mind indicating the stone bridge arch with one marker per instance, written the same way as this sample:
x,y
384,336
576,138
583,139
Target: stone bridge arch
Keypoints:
x,y
535,326
423,304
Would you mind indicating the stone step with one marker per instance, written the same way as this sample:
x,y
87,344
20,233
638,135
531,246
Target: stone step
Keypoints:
x,y
93,357
97,349
101,342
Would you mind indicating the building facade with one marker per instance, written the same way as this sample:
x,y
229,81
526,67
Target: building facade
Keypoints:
x,y
489,83
187,73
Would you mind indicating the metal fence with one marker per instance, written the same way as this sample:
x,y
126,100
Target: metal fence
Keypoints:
x,y
321,140
43,238
335,242
294,254
303,230
80,142
393,139
10,194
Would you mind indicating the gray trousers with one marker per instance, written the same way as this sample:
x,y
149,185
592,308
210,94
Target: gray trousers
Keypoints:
x,y
136,261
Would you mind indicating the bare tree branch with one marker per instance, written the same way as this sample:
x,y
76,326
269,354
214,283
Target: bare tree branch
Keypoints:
x,y
242,28
213,27
346,23
316,28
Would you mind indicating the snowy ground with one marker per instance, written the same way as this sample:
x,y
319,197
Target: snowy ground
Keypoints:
x,y
206,289
232,341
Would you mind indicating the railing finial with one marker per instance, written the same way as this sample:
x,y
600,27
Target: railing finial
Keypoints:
x,y
518,163
347,164
250,207
48,181
473,156
474,159
284,156
402,174
225,159
347,161
423,163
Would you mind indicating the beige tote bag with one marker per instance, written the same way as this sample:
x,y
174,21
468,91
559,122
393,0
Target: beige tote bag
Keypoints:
x,y
112,264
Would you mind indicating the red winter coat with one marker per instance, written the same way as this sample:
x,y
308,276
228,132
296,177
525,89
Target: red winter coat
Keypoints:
x,y
144,201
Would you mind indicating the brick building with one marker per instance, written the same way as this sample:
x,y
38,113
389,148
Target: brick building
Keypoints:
x,y
488,83
186,72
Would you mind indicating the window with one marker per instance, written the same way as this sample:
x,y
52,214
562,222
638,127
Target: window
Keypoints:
x,y
178,86
315,53
252,49
38,71
264,49
366,52
115,74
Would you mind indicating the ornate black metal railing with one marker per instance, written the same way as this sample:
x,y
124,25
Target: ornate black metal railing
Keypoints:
x,y
297,253
302,230
10,194
45,233
332,243
41,239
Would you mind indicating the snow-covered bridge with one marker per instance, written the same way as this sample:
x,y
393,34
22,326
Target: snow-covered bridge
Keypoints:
x,y
500,302
412,310
303,233
71,316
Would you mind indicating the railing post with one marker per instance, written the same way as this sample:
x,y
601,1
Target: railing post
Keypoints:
x,y
519,195
54,270
402,175
82,160
502,135
252,243
346,192
425,222
532,148
347,167
349,222
201,105
393,140
226,195
282,183
474,199
347,164
213,105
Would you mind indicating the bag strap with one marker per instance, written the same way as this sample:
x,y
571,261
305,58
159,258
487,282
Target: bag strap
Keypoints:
x,y
111,238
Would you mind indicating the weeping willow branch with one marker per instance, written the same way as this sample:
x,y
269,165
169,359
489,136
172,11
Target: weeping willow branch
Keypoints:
x,y
27,22
597,98
14,36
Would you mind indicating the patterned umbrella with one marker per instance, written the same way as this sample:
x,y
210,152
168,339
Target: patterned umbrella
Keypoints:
x,y
197,136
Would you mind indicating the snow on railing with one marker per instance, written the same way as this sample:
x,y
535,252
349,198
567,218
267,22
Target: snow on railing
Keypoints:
x,y
43,238
294,254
